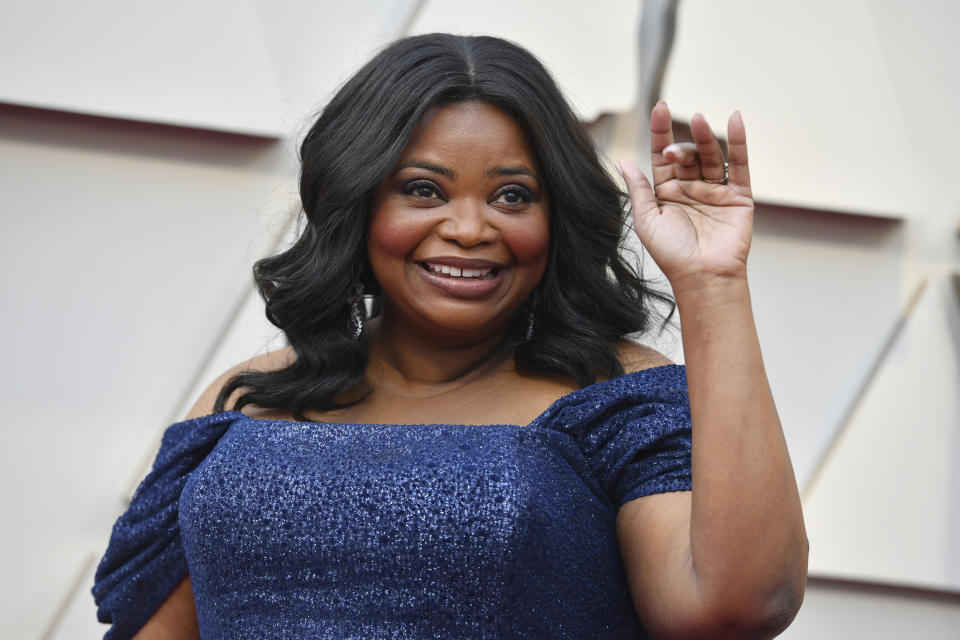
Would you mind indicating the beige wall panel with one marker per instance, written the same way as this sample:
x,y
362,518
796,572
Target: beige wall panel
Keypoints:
x,y
125,250
886,505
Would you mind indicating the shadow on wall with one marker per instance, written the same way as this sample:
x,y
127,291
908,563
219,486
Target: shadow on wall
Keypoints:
x,y
842,229
61,129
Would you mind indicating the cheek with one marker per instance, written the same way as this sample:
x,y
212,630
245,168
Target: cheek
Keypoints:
x,y
530,243
391,236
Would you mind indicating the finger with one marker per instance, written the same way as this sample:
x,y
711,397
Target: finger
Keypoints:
x,y
661,137
685,159
642,197
683,153
739,177
711,156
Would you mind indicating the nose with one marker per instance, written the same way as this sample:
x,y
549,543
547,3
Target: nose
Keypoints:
x,y
467,224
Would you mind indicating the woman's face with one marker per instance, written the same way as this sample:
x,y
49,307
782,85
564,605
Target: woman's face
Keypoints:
x,y
459,230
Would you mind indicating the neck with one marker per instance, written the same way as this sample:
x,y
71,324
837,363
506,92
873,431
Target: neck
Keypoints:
x,y
413,364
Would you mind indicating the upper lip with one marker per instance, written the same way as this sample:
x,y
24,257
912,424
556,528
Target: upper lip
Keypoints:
x,y
463,263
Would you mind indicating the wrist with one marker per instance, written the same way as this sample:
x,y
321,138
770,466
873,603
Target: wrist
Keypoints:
x,y
717,324
710,291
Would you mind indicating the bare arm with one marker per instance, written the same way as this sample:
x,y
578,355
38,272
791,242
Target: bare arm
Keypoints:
x,y
175,619
729,558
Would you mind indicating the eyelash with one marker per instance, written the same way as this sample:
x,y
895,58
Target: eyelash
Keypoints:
x,y
526,196
411,187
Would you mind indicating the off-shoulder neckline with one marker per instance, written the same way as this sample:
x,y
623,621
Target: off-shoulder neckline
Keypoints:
x,y
565,399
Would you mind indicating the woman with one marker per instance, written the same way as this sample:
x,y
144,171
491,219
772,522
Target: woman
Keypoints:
x,y
377,482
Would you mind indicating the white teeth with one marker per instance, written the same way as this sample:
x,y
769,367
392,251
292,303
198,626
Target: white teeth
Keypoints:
x,y
457,272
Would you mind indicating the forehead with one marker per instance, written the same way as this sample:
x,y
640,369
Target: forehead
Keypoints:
x,y
474,131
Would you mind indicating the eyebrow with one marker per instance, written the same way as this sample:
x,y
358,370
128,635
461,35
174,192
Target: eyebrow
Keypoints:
x,y
452,175
512,171
449,173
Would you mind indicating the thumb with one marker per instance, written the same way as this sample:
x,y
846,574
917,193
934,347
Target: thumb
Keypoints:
x,y
642,198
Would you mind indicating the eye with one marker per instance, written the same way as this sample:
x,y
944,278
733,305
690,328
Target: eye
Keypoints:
x,y
514,195
423,190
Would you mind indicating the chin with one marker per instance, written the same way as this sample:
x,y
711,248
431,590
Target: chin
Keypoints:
x,y
468,327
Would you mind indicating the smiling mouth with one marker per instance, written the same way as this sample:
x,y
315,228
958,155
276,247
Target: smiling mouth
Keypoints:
x,y
458,273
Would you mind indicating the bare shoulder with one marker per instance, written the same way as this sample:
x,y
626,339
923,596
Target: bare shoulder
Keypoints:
x,y
636,357
270,361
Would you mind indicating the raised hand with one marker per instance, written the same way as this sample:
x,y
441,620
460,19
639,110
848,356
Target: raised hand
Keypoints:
x,y
696,221
742,544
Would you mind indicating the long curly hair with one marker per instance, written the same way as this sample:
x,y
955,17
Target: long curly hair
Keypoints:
x,y
590,297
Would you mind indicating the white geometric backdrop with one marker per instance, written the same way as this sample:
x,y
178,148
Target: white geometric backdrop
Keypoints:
x,y
126,250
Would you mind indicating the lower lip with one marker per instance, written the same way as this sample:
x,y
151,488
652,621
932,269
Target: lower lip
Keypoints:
x,y
462,287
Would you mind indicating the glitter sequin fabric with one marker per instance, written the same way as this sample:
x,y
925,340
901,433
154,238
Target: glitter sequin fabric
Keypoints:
x,y
330,530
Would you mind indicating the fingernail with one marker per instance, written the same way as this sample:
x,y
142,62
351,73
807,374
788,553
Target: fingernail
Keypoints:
x,y
663,102
671,148
619,169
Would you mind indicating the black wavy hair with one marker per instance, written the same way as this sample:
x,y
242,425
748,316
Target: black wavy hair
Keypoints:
x,y
589,297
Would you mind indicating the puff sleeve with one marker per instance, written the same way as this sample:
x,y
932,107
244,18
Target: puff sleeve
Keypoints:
x,y
145,559
633,431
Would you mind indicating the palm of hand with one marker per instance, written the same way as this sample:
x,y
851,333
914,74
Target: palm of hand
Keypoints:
x,y
693,228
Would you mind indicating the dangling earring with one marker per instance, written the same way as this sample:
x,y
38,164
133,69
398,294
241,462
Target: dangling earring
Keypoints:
x,y
356,324
531,313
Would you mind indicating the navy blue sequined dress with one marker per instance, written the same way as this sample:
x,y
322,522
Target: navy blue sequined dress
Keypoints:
x,y
330,530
